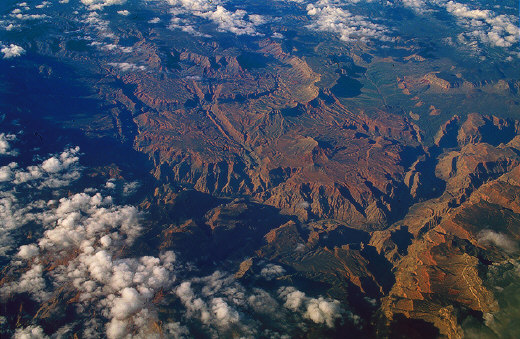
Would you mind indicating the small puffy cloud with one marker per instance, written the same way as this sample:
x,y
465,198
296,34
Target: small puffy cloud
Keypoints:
x,y
238,22
44,4
28,251
130,188
224,314
111,47
11,51
5,144
26,17
271,271
123,12
127,67
323,311
154,21
498,239
482,25
319,310
99,25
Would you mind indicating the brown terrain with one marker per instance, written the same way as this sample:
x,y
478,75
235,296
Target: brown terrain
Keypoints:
x,y
355,202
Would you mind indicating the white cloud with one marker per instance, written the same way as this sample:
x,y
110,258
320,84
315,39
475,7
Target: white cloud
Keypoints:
x,y
5,146
31,282
328,17
28,251
238,22
101,26
56,171
30,332
17,184
25,17
127,66
11,51
123,12
498,239
485,25
44,4
482,25
271,271
319,310
130,188
100,4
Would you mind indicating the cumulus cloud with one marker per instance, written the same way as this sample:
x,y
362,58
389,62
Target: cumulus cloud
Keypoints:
x,y
25,17
498,239
56,171
11,51
44,4
130,188
482,25
319,310
18,184
31,282
271,271
238,22
5,144
30,332
100,4
127,66
485,25
28,251
327,16
91,232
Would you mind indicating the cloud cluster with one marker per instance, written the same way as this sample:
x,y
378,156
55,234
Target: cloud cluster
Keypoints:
x,y
90,231
102,32
485,25
482,25
30,332
81,245
22,7
56,171
238,22
11,51
18,184
101,26
100,4
222,305
329,16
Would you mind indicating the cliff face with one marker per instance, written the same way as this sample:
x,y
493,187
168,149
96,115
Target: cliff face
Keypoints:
x,y
451,242
432,268
255,124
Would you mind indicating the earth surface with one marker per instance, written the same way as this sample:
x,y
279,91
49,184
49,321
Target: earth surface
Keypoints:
x,y
259,169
